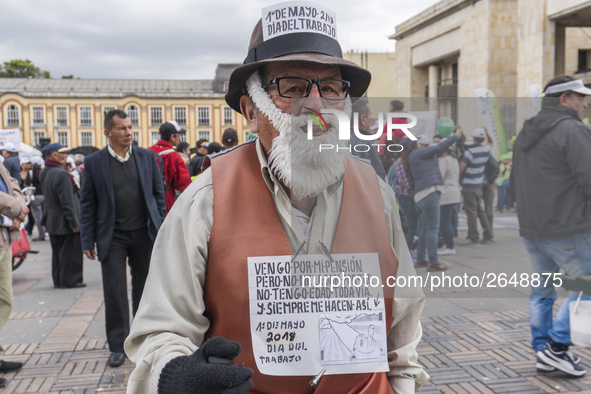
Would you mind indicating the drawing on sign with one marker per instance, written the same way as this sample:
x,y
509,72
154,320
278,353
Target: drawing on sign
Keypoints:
x,y
352,338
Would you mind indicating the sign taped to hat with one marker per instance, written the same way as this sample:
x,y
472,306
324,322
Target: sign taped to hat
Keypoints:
x,y
298,17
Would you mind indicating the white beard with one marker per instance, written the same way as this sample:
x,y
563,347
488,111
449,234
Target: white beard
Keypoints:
x,y
296,161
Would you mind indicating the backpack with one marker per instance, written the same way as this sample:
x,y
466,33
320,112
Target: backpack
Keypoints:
x,y
160,161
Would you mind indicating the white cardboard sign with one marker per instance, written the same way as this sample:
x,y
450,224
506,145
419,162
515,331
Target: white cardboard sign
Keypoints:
x,y
11,135
298,328
298,17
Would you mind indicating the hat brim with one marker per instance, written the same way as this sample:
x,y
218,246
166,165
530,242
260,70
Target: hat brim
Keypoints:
x,y
63,150
584,90
358,76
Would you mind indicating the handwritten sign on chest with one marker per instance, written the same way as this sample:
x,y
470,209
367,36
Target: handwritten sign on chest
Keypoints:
x,y
302,320
298,17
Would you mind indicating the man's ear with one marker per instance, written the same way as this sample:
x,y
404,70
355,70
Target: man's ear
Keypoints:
x,y
249,112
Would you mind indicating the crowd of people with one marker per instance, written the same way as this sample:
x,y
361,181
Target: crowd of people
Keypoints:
x,y
434,178
76,208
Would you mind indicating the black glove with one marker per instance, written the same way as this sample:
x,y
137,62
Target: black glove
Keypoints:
x,y
194,374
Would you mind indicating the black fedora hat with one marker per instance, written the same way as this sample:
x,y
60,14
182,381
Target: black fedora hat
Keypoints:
x,y
305,47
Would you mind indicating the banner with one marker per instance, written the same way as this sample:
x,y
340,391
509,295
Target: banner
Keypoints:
x,y
492,120
11,135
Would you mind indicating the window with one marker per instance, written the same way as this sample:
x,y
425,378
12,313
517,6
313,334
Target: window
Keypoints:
x,y
106,111
12,115
86,117
132,112
155,136
62,138
136,136
180,115
228,116
61,116
86,138
203,115
584,59
37,135
204,135
226,84
184,137
156,115
38,118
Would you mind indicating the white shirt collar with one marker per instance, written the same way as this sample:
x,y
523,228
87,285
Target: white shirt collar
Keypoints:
x,y
116,156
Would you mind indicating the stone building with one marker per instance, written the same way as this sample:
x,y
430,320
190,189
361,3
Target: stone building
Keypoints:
x,y
71,111
505,46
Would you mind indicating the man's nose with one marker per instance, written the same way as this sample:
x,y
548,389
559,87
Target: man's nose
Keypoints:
x,y
314,100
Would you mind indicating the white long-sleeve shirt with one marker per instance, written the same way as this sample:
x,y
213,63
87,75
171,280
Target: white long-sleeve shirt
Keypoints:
x,y
170,321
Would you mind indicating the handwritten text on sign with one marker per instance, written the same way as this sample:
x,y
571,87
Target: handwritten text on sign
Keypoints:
x,y
298,17
301,323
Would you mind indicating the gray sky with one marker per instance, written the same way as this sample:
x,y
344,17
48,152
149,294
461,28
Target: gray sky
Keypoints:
x,y
172,39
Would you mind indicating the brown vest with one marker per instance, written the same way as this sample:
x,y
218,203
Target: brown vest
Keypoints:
x,y
246,224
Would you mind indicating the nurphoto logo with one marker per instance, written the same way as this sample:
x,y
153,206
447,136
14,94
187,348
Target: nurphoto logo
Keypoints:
x,y
344,125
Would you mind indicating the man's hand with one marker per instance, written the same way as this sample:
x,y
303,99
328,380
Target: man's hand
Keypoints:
x,y
202,372
16,224
90,253
458,131
75,229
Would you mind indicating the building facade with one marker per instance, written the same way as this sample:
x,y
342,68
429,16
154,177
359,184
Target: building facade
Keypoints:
x,y
72,111
505,46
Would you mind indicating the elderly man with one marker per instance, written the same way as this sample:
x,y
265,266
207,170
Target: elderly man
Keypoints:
x,y
275,196
62,218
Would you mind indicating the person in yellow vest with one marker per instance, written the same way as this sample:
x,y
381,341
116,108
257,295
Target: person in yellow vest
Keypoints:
x,y
281,198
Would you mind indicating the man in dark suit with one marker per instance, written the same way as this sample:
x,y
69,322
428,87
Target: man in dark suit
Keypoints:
x,y
122,207
62,219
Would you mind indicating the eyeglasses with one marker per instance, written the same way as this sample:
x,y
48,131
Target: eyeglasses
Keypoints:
x,y
296,87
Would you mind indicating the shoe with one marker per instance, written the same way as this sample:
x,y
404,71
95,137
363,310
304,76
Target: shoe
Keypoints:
x,y
7,366
574,358
74,286
421,263
470,241
542,366
413,255
487,241
444,251
116,359
436,267
39,239
3,382
560,361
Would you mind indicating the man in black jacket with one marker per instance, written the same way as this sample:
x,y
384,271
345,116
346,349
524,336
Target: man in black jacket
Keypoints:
x,y
62,218
551,180
122,207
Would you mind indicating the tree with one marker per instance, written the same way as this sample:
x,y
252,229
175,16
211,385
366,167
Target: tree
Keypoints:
x,y
18,68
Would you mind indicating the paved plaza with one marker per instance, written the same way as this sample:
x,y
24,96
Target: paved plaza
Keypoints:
x,y
474,340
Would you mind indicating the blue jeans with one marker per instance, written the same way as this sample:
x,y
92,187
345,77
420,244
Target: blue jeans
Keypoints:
x,y
429,231
447,229
573,255
412,217
504,195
